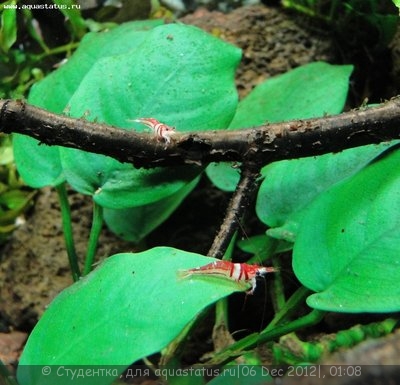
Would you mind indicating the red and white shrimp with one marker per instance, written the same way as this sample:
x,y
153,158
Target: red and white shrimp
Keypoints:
x,y
161,130
239,272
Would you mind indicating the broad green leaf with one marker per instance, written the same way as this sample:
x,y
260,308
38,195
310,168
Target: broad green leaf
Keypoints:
x,y
54,92
309,91
291,185
119,186
179,74
131,306
195,92
348,246
313,90
133,224
40,165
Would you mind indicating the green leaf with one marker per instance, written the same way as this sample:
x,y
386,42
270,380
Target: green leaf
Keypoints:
x,y
54,92
179,74
118,185
133,224
13,199
309,91
280,208
8,29
255,244
348,246
195,92
262,246
223,175
313,90
40,165
131,306
12,204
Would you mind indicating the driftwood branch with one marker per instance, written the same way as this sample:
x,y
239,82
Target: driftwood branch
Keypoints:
x,y
238,205
262,145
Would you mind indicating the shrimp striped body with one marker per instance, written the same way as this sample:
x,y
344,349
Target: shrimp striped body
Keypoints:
x,y
240,272
161,130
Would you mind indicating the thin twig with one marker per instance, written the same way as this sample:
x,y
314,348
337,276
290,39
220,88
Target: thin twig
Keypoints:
x,y
240,201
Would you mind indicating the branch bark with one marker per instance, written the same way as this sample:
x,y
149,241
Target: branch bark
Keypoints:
x,y
262,145
239,203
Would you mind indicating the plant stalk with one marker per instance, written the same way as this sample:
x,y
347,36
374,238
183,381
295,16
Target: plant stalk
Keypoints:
x,y
67,230
251,341
95,231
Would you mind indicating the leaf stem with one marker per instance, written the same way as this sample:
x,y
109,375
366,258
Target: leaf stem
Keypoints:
x,y
97,225
289,308
279,300
55,51
254,339
67,230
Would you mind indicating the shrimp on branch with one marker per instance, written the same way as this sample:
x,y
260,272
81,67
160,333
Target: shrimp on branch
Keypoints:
x,y
161,130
